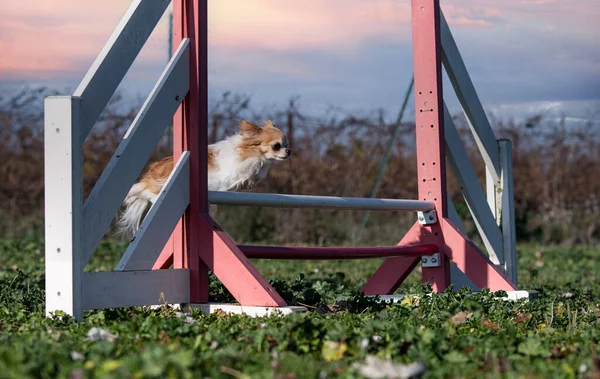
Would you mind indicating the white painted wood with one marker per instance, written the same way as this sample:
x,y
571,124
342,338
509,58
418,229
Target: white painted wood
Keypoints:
x,y
508,210
135,149
467,95
63,198
306,201
252,311
160,221
472,191
457,277
493,195
116,289
510,296
115,58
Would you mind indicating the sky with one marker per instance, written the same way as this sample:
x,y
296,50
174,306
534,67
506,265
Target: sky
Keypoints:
x,y
524,56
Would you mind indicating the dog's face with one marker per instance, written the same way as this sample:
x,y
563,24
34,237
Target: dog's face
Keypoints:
x,y
268,141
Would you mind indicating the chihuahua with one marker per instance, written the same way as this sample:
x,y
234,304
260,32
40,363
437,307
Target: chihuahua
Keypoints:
x,y
239,161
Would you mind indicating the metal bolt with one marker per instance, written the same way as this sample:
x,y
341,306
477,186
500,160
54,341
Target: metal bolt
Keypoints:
x,y
58,293
421,218
424,260
177,98
57,130
431,217
433,260
58,250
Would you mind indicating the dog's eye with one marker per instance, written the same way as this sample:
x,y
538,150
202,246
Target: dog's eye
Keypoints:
x,y
277,146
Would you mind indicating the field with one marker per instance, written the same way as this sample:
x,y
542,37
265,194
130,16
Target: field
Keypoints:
x,y
451,335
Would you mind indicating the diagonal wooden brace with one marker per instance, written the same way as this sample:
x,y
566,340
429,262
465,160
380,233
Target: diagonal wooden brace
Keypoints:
x,y
472,261
456,247
232,268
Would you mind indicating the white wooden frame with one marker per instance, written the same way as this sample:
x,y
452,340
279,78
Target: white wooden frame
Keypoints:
x,y
492,209
63,198
472,191
160,221
115,58
116,289
467,96
74,230
507,210
135,149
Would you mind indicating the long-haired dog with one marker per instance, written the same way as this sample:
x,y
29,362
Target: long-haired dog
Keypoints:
x,y
239,161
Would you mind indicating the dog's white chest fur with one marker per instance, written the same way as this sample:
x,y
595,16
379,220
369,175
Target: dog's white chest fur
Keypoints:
x,y
231,174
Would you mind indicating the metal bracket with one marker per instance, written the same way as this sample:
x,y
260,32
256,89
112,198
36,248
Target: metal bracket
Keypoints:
x,y
427,218
430,260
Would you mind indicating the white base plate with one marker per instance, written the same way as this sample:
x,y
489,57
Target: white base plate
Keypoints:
x,y
252,311
257,311
511,295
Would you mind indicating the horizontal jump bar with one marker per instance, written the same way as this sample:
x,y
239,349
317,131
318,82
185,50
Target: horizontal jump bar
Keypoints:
x,y
306,201
307,253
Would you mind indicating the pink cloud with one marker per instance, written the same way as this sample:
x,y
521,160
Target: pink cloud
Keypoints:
x,y
41,38
463,20
295,24
480,16
46,37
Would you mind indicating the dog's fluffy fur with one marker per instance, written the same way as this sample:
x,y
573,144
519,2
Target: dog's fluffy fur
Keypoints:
x,y
239,161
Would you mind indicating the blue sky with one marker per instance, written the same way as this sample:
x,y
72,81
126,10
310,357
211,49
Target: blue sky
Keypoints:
x,y
523,55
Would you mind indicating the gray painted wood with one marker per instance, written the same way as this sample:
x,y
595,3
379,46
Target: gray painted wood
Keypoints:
x,y
102,79
135,149
467,95
116,289
472,191
63,198
160,221
508,210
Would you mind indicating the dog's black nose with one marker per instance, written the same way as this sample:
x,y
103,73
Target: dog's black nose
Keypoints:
x,y
288,152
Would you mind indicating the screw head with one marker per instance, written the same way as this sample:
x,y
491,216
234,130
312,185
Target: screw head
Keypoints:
x,y
421,218
431,217
424,260
433,260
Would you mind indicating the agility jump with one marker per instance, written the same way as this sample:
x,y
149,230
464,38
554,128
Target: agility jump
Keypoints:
x,y
179,232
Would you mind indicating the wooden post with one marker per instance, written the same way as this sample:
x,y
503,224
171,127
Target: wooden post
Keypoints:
x,y
429,117
63,205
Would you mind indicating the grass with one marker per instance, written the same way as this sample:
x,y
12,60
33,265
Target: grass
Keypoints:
x,y
453,335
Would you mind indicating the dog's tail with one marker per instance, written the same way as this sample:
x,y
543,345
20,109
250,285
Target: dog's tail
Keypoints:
x,y
136,206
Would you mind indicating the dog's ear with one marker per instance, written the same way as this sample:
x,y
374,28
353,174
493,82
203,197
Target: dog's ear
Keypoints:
x,y
268,124
248,129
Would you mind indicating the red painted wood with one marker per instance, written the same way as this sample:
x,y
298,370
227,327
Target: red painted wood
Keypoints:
x,y
175,249
233,269
394,271
472,261
431,162
178,238
197,243
190,133
307,253
195,17
165,260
